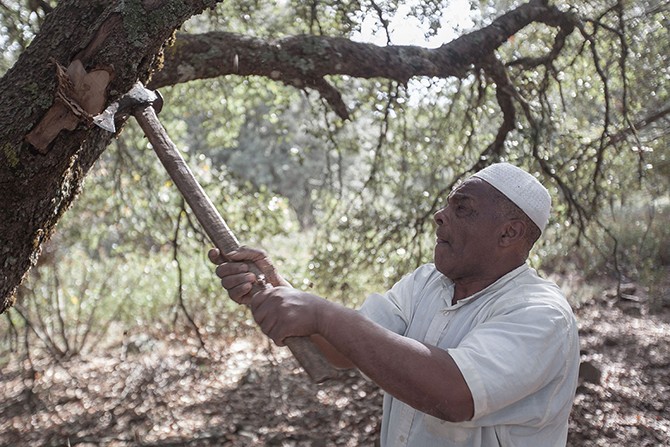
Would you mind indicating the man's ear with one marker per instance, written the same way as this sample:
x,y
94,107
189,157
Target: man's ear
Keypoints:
x,y
514,231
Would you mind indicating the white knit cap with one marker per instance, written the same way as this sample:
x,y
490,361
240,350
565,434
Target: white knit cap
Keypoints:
x,y
521,188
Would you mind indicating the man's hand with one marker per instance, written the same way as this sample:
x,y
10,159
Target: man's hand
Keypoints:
x,y
233,269
283,312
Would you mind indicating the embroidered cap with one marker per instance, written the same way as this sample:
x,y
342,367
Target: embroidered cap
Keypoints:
x,y
521,188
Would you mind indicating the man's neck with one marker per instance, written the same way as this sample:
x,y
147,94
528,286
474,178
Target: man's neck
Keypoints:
x,y
464,288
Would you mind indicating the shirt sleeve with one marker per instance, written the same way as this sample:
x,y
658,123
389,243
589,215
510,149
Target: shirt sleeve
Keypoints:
x,y
514,354
393,309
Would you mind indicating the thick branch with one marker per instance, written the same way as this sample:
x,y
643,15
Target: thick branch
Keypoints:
x,y
505,94
304,61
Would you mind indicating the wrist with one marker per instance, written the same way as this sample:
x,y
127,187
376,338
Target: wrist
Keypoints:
x,y
329,317
321,312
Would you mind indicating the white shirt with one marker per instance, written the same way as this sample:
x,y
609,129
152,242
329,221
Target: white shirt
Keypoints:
x,y
515,343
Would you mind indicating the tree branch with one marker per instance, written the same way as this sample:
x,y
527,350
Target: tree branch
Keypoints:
x,y
305,61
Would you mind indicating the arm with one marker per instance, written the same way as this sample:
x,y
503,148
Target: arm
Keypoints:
x,y
425,377
237,280
420,375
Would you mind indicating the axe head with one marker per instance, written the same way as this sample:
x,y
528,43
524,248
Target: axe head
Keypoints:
x,y
137,97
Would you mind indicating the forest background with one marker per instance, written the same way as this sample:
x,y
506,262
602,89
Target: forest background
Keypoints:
x,y
336,175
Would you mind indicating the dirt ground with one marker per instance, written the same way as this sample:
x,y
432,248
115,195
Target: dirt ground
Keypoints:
x,y
163,391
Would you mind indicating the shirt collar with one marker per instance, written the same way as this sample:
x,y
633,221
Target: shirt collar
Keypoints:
x,y
448,287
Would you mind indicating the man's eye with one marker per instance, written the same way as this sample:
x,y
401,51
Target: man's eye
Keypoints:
x,y
462,210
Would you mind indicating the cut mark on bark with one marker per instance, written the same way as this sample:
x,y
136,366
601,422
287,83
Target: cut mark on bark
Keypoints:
x,y
79,96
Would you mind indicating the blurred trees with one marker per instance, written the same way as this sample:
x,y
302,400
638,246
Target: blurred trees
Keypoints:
x,y
297,128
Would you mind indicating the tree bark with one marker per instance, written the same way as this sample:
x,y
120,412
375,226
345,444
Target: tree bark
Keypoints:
x,y
126,37
304,61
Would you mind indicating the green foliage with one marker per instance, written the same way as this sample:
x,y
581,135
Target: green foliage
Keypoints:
x,y
128,254
19,22
278,19
640,227
631,243
345,208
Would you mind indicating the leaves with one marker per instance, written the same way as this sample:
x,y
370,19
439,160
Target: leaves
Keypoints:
x,y
154,388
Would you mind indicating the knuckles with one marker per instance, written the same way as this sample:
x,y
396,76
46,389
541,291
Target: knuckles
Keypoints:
x,y
231,268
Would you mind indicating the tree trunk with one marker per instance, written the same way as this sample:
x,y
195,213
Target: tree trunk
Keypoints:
x,y
126,38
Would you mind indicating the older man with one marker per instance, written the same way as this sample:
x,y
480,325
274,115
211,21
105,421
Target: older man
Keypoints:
x,y
473,350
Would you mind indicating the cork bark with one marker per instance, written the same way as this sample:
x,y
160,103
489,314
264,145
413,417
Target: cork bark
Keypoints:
x,y
36,188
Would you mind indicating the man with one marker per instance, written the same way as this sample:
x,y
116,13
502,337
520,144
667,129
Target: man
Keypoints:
x,y
473,350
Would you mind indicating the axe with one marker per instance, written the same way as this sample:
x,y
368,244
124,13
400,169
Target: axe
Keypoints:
x,y
142,103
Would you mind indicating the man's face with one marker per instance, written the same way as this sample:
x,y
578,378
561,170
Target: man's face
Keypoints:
x,y
467,231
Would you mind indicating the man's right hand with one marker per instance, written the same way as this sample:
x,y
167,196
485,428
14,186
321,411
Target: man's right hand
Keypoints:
x,y
236,278
233,269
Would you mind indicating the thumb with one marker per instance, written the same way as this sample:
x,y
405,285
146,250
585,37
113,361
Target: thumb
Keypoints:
x,y
215,256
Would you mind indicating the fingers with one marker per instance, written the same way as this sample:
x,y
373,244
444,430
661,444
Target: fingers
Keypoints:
x,y
235,277
242,254
275,310
237,280
232,268
283,312
248,254
238,286
262,261
215,256
270,272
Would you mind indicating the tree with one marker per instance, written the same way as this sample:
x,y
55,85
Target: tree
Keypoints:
x,y
125,37
514,88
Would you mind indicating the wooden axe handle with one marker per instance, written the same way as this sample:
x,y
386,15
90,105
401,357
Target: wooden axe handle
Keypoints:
x,y
305,352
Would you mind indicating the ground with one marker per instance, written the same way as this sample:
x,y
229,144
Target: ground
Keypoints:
x,y
163,391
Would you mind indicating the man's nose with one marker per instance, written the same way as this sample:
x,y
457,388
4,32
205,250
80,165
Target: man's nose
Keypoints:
x,y
439,216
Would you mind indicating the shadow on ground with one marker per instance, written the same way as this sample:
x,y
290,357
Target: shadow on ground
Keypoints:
x,y
169,394
164,391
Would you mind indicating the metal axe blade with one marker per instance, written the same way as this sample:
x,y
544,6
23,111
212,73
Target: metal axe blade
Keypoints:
x,y
127,104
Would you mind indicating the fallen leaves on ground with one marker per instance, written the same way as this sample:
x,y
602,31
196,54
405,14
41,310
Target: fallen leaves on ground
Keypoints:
x,y
164,391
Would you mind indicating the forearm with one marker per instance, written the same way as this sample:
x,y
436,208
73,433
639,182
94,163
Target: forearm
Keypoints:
x,y
425,377
335,357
